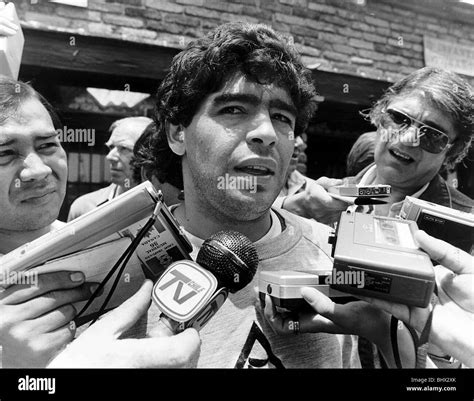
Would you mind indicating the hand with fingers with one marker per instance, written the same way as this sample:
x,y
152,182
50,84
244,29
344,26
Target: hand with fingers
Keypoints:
x,y
315,202
358,317
452,327
36,321
453,317
100,347
7,27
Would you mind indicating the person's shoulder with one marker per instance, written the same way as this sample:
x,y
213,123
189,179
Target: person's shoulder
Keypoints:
x,y
99,194
440,192
310,228
461,201
88,201
302,245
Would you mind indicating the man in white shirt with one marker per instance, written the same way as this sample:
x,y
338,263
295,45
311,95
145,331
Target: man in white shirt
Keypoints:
x,y
124,134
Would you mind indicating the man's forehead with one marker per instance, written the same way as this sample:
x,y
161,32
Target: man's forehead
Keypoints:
x,y
127,132
240,84
29,111
31,119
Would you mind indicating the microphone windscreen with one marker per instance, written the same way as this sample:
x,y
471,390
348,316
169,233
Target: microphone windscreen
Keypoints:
x,y
231,257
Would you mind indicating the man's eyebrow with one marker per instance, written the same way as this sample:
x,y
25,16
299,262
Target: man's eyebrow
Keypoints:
x,y
7,141
46,135
253,100
282,105
223,98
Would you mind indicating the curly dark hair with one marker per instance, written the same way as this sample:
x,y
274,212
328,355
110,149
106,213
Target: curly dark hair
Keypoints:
x,y
449,93
142,155
205,65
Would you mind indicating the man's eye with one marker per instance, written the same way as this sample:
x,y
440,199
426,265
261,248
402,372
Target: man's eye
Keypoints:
x,y
232,110
283,119
123,149
400,118
6,156
49,145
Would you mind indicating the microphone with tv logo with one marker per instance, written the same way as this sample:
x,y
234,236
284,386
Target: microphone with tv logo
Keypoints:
x,y
189,293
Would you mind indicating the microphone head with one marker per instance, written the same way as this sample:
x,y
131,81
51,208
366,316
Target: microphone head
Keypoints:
x,y
231,257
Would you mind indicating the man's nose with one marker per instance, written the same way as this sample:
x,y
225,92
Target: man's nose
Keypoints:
x,y
34,168
263,134
410,137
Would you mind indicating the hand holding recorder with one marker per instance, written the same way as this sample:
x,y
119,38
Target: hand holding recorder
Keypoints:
x,y
452,321
453,316
314,202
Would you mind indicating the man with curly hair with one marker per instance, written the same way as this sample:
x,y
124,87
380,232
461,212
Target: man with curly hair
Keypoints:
x,y
123,135
228,112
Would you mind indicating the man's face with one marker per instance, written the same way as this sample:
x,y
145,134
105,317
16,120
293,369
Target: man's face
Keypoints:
x,y
33,169
238,147
402,163
121,144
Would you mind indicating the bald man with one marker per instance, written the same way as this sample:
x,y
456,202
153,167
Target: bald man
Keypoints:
x,y
124,134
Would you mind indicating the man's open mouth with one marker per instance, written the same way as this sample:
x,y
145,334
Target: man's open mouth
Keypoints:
x,y
399,155
255,170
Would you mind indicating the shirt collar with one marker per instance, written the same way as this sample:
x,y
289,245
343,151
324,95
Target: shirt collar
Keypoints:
x,y
369,178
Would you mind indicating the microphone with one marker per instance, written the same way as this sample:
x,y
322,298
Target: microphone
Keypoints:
x,y
190,293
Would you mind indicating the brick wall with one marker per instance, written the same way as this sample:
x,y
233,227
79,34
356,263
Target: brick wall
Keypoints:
x,y
378,40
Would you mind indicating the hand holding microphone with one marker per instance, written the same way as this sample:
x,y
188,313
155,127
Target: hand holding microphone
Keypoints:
x,y
100,346
190,293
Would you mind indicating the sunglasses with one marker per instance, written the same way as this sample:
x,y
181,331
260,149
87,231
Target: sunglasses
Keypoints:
x,y
429,138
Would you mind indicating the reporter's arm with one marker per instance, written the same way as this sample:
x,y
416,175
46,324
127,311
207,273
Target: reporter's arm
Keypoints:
x,y
315,202
357,318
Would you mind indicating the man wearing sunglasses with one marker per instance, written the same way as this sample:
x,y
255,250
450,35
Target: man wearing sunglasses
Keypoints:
x,y
424,124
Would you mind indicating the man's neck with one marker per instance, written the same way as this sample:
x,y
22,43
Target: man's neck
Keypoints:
x,y
203,225
119,190
10,240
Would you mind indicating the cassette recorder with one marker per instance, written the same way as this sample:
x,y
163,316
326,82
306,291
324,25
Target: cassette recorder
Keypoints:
x,y
116,219
450,225
284,288
372,191
383,250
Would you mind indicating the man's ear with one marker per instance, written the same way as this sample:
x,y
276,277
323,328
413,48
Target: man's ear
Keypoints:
x,y
143,174
175,135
